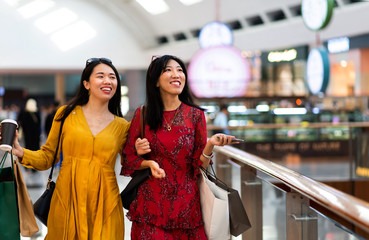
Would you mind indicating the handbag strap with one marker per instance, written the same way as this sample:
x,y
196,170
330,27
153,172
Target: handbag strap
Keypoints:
x,y
142,126
142,121
56,153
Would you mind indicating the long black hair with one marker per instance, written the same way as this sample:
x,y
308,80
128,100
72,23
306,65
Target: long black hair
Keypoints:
x,y
154,103
82,96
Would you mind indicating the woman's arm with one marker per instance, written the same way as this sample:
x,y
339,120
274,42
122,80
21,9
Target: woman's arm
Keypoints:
x,y
203,147
215,140
41,159
142,147
131,161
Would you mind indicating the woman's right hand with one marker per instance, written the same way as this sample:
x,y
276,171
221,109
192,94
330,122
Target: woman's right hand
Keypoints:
x,y
17,149
156,171
142,146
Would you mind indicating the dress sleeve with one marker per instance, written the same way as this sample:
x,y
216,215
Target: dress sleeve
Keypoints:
x,y
200,140
43,159
124,137
130,161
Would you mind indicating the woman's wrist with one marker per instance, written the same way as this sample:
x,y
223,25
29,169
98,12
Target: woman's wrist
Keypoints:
x,y
146,164
207,152
207,156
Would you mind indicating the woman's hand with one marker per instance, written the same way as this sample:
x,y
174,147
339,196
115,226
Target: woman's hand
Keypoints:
x,y
156,171
17,149
142,146
220,139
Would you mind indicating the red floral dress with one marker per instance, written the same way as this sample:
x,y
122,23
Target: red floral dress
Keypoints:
x,y
169,208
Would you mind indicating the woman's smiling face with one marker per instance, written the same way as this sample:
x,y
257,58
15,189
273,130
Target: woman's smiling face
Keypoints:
x,y
172,79
102,83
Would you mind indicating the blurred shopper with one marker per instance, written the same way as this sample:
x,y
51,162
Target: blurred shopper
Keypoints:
x,y
50,116
29,121
168,204
221,120
86,202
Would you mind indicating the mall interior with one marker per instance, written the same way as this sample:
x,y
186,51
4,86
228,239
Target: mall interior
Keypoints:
x,y
294,75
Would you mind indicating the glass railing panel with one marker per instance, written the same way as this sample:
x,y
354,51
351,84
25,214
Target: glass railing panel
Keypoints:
x,y
273,201
329,229
274,211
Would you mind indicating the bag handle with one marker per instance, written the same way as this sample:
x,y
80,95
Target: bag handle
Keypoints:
x,y
214,176
2,162
55,154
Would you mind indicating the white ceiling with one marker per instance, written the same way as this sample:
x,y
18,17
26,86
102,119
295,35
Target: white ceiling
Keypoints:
x,y
129,35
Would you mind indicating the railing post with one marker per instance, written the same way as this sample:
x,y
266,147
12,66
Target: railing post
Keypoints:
x,y
223,168
301,223
251,195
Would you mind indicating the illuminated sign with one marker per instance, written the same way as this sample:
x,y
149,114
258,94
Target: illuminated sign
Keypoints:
x,y
316,14
337,45
317,70
362,171
219,72
215,34
286,55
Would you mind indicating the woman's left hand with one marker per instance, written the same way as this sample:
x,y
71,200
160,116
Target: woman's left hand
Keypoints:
x,y
220,139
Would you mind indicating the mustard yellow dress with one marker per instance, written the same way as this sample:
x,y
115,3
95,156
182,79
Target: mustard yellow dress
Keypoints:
x,y
86,204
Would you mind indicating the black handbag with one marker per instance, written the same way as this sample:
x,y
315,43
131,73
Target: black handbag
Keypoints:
x,y
42,206
129,193
238,220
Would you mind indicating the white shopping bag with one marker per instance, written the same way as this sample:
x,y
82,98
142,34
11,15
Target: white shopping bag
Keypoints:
x,y
214,208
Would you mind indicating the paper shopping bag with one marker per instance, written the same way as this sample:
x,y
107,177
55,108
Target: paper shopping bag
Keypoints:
x,y
27,220
214,208
238,219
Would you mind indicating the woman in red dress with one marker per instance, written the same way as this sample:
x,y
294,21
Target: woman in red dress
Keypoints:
x,y
168,204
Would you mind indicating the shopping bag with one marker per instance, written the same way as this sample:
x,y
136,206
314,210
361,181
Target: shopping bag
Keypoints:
x,y
238,219
9,222
27,221
214,209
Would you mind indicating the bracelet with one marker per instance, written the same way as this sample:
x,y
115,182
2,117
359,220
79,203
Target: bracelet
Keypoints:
x,y
207,156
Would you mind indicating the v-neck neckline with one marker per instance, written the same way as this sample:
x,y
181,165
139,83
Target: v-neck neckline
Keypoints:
x,y
85,120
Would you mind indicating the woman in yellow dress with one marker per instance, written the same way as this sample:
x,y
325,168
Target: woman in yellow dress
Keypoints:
x,y
86,204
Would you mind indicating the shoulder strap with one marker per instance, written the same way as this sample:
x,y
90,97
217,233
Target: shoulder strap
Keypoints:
x,y
142,121
56,151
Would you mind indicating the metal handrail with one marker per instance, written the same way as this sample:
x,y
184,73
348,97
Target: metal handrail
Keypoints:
x,y
292,125
348,207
